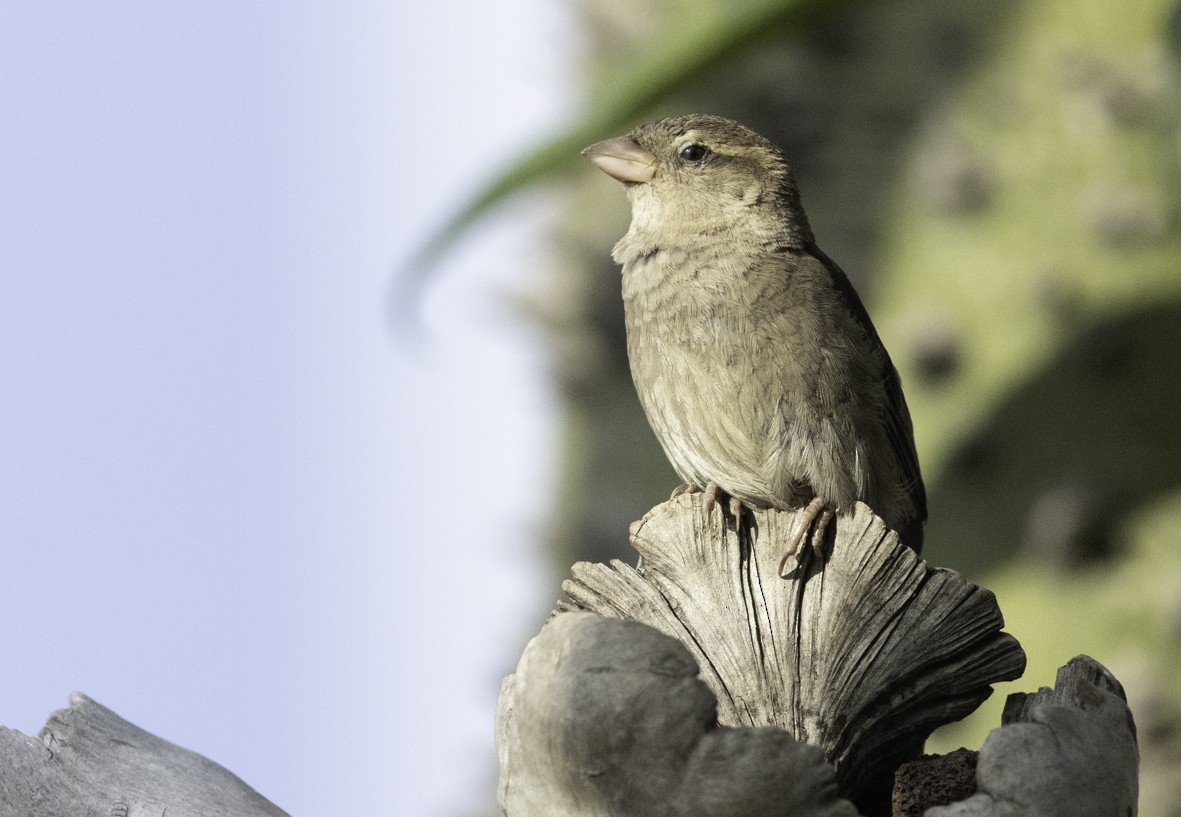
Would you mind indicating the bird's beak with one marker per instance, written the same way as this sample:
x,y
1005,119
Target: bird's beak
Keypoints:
x,y
622,159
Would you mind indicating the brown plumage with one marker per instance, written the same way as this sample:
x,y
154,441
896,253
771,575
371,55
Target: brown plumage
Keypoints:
x,y
754,359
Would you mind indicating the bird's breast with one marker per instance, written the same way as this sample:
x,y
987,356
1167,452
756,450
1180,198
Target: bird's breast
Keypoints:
x,y
710,380
746,376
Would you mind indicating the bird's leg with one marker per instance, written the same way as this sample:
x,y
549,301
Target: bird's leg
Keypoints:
x,y
818,529
813,517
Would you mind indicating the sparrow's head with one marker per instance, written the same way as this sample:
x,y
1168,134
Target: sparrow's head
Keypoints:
x,y
701,172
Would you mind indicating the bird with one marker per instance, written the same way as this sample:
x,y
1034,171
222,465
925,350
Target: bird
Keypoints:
x,y
755,361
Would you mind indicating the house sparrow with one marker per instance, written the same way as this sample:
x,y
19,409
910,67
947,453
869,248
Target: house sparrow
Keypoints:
x,y
754,359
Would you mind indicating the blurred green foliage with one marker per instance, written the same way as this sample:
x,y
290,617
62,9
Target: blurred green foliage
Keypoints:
x,y
690,48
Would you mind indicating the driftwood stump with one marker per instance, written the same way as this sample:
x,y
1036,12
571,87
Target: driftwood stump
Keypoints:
x,y
608,717
709,685
863,655
87,760
1068,750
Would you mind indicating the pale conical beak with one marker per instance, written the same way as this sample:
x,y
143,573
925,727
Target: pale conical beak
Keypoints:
x,y
622,159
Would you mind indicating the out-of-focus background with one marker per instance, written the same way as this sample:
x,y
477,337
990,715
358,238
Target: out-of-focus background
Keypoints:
x,y
254,510
237,505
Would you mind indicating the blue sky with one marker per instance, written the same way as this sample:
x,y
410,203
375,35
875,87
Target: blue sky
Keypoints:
x,y
233,508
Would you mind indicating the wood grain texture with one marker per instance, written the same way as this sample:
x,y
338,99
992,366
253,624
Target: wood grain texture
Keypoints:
x,y
87,760
862,656
608,718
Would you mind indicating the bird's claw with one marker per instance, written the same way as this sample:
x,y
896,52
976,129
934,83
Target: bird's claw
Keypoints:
x,y
736,508
711,499
715,496
814,518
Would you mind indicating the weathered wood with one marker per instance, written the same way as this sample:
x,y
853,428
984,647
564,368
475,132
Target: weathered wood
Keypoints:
x,y
607,718
1069,750
934,780
862,656
88,760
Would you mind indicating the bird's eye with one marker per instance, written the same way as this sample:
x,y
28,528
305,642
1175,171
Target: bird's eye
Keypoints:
x,y
694,152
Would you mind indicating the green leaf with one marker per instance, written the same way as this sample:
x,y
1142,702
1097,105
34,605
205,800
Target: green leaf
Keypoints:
x,y
705,41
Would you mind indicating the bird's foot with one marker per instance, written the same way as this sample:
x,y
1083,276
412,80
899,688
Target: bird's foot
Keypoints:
x,y
714,496
813,519
712,492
